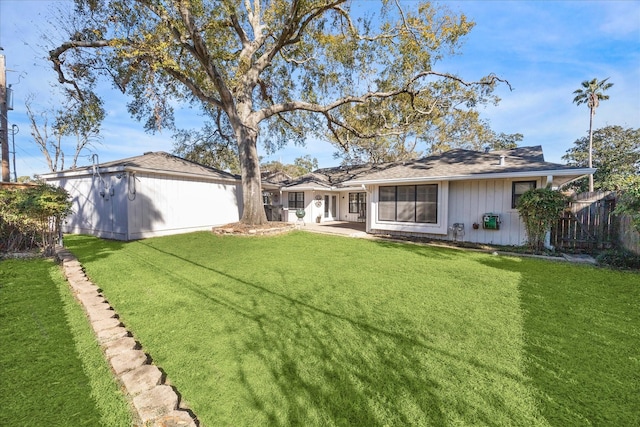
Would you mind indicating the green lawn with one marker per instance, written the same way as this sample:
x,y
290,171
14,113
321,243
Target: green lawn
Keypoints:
x,y
52,372
306,329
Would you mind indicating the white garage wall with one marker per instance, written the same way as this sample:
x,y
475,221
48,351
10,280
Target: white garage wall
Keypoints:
x,y
165,205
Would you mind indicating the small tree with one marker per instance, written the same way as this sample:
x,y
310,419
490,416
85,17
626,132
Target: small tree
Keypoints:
x,y
77,119
539,208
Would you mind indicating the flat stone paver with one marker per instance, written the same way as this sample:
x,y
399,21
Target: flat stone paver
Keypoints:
x,y
112,334
99,313
84,287
101,325
156,403
76,276
128,361
175,419
120,345
141,379
91,299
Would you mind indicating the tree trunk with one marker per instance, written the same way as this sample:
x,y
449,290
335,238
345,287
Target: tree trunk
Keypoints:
x,y
591,113
253,210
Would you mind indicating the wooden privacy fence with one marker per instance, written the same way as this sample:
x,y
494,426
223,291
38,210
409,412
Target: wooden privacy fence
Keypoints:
x,y
628,237
587,224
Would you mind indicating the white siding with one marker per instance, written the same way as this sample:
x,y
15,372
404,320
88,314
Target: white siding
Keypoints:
x,y
160,205
92,213
470,200
464,202
169,205
310,209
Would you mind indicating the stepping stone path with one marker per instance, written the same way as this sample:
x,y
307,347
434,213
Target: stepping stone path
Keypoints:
x,y
157,404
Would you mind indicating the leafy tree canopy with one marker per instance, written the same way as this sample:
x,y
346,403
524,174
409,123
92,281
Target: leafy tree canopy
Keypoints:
x,y
616,153
300,166
284,70
75,123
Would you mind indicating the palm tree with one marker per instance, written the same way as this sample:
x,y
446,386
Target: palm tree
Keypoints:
x,y
592,93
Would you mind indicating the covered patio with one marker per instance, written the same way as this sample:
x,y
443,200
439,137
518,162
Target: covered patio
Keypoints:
x,y
343,228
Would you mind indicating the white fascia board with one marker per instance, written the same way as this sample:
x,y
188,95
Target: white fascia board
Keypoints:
x,y
80,172
306,188
560,172
352,188
119,169
180,174
270,187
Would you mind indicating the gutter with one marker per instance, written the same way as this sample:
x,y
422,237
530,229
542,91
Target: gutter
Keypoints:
x,y
581,172
115,169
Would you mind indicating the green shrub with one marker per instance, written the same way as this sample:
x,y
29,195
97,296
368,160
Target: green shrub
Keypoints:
x,y
619,258
539,208
30,217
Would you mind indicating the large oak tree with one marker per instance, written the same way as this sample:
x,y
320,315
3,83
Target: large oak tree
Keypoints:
x,y
283,70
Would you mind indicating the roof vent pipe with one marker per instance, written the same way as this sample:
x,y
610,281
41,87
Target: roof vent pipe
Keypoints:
x,y
502,157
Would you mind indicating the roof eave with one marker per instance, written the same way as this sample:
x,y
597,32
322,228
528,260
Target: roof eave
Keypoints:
x,y
578,173
180,174
116,169
79,172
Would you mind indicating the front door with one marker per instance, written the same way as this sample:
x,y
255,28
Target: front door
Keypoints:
x,y
326,206
330,207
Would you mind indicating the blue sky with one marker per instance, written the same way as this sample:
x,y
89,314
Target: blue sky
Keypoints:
x,y
545,49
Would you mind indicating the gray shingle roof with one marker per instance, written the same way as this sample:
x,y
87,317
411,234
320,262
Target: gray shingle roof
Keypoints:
x,y
461,163
453,163
163,163
334,177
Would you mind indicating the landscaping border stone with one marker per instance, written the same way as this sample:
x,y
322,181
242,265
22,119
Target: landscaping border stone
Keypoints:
x,y
156,403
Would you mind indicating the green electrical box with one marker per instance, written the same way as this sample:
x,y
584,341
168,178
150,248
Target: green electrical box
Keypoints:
x,y
491,221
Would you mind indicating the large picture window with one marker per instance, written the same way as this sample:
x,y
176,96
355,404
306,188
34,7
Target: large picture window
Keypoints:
x,y
408,203
296,200
357,202
518,189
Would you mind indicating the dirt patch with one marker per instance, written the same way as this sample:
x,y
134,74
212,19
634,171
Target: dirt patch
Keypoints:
x,y
241,229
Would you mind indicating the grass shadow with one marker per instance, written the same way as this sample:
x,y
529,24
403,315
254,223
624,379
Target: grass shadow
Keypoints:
x,y
329,368
42,380
90,248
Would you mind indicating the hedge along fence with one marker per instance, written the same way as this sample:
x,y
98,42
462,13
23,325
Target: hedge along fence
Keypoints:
x,y
30,217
